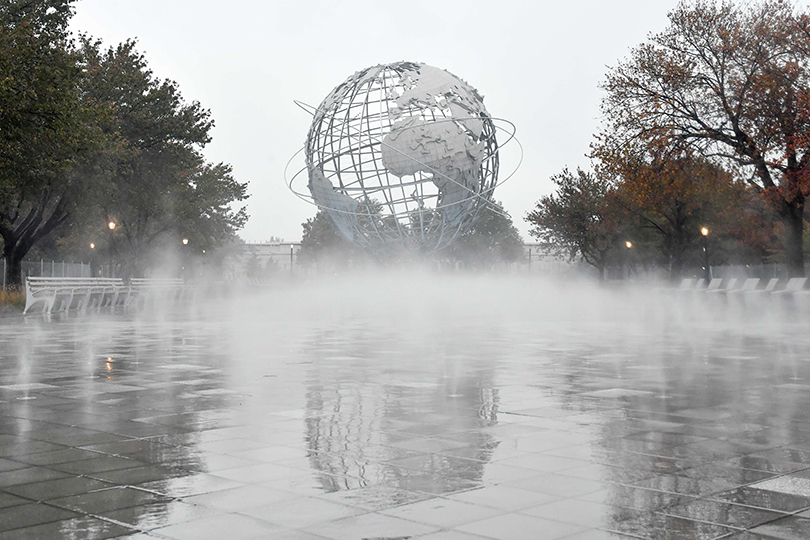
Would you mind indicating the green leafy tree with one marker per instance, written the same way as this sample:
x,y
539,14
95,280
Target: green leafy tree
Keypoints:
x,y
321,244
48,134
579,220
159,185
492,239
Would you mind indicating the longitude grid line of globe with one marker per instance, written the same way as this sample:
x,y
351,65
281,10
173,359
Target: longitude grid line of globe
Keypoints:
x,y
511,134
446,94
444,120
391,203
405,198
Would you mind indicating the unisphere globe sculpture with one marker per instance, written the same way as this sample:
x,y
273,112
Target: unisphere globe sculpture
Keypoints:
x,y
402,155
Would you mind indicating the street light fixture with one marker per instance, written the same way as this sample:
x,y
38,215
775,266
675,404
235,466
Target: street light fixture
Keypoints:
x,y
291,260
111,226
92,245
629,245
185,241
706,268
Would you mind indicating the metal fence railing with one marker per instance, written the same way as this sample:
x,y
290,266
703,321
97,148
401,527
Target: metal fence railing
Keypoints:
x,y
43,268
762,271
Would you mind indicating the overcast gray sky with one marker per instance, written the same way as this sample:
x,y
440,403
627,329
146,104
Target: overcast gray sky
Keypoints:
x,y
537,63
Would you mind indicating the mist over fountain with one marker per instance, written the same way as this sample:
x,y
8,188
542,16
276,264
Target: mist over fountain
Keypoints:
x,y
437,410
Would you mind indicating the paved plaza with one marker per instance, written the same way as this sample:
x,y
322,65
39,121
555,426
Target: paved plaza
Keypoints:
x,y
464,410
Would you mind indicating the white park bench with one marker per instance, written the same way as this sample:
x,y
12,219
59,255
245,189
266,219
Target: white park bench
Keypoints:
x,y
82,293
171,289
63,293
750,284
728,286
794,285
691,288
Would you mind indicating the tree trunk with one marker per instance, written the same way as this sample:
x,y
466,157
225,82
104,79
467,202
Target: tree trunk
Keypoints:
x,y
793,219
676,267
14,250
13,270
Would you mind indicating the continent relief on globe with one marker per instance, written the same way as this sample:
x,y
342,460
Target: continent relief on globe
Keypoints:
x,y
342,208
448,148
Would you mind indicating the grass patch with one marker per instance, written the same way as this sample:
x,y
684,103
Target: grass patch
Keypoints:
x,y
12,299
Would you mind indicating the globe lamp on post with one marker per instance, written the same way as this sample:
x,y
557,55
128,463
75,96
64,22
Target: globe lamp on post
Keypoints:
x,y
184,241
706,268
629,245
291,260
111,226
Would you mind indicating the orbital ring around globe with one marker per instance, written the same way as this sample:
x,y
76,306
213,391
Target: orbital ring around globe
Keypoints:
x,y
393,128
307,197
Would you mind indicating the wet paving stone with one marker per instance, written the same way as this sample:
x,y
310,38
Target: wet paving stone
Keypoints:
x,y
29,475
578,512
686,485
27,515
243,498
789,528
766,499
132,476
54,458
156,515
520,527
9,465
7,500
98,464
636,498
52,489
84,527
232,526
241,421
659,526
729,515
187,486
96,502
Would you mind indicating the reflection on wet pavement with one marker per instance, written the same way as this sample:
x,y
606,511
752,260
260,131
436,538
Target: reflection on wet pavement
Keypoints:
x,y
297,416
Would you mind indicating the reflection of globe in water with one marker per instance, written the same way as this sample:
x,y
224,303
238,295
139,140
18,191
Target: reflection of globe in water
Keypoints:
x,y
402,154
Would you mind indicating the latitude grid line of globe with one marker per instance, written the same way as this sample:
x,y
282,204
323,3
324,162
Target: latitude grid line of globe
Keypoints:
x,y
345,143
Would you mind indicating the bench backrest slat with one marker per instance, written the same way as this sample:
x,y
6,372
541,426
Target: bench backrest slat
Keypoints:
x,y
772,283
687,283
750,284
795,284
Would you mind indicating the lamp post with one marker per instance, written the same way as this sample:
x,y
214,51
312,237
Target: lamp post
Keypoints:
x,y
706,268
183,258
291,260
111,226
629,245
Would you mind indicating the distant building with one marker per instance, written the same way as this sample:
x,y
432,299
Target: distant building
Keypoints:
x,y
539,262
282,254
